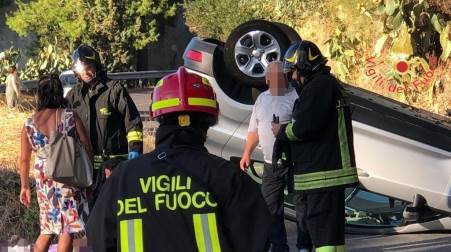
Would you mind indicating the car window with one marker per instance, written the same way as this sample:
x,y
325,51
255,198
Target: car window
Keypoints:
x,y
366,208
68,80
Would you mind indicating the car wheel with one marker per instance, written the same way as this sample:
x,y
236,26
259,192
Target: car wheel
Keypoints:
x,y
251,47
291,33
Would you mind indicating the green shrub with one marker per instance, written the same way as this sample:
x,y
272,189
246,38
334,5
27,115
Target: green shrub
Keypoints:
x,y
8,57
216,19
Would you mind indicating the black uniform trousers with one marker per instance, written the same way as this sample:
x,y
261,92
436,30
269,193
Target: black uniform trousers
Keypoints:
x,y
323,214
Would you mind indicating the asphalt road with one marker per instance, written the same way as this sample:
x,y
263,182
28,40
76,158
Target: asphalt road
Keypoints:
x,y
431,242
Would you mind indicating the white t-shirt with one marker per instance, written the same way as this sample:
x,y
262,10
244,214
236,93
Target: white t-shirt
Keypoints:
x,y
262,115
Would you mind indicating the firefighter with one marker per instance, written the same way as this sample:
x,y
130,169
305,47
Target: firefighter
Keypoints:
x,y
322,146
107,111
179,197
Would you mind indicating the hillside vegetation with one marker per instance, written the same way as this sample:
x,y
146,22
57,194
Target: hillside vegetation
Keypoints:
x,y
399,49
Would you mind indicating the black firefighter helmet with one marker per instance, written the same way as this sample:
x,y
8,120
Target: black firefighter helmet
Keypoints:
x,y
86,55
304,56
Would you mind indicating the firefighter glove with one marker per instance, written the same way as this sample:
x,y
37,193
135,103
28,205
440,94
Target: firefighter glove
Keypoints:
x,y
133,154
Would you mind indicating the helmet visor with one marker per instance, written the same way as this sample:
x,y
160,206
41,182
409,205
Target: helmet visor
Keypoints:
x,y
80,66
287,67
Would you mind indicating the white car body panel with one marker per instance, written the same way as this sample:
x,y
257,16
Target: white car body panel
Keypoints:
x,y
389,163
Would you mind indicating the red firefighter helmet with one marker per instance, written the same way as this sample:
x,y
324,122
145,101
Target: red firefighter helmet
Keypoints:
x,y
183,92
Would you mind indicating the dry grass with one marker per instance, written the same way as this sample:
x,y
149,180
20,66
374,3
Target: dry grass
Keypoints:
x,y
11,123
14,218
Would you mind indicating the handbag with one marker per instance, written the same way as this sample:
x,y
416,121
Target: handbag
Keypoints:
x,y
68,161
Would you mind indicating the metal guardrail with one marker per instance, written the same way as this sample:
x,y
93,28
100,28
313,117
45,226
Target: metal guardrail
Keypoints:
x,y
140,75
30,85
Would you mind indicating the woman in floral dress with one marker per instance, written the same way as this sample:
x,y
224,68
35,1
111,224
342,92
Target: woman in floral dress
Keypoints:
x,y
62,208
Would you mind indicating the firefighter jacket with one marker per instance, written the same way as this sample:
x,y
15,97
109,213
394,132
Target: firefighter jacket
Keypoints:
x,y
109,116
179,198
321,136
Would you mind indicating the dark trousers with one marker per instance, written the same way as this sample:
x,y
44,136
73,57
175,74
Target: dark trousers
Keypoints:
x,y
323,216
304,241
273,185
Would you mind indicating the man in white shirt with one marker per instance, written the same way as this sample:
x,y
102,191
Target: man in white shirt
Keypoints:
x,y
278,100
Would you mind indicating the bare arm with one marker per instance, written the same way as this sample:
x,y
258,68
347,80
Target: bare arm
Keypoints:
x,y
81,132
24,168
251,143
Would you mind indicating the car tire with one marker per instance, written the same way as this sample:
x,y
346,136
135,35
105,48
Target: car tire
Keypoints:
x,y
291,33
249,49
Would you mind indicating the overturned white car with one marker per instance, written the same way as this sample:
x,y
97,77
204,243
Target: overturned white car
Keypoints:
x,y
403,155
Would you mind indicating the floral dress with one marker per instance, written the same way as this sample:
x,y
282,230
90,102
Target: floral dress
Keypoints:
x,y
62,208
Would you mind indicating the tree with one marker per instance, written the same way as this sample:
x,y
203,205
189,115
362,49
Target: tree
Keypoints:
x,y
4,3
8,57
117,29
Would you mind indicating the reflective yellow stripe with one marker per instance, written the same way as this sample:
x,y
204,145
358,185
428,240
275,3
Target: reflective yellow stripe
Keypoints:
x,y
172,102
293,58
202,102
198,232
98,158
343,138
131,235
135,136
206,232
290,134
346,180
324,175
339,248
159,83
205,81
123,230
104,111
96,166
213,232
138,230
310,56
323,179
